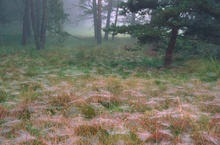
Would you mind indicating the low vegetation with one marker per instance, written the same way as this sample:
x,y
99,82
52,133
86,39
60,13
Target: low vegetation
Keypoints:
x,y
81,93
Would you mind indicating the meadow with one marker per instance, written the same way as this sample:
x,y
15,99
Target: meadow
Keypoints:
x,y
81,93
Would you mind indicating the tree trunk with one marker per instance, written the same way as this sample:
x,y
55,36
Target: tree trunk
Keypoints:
x,y
171,46
108,18
26,22
43,24
116,20
95,18
99,29
38,16
36,32
133,21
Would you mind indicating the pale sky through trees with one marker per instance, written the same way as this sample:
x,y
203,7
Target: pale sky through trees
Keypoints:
x,y
83,28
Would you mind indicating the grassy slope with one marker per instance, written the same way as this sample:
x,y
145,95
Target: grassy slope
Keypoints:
x,y
81,93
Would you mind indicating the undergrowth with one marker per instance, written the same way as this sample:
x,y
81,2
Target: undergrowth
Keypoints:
x,y
80,93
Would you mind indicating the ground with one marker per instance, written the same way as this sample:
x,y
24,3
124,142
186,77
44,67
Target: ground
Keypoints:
x,y
106,95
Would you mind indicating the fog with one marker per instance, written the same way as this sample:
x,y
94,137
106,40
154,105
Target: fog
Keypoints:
x,y
83,28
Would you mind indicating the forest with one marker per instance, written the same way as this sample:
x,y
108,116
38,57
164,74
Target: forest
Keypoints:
x,y
110,72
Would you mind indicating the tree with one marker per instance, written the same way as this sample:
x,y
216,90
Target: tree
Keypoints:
x,y
46,16
39,22
56,19
26,22
99,24
168,17
92,9
95,18
108,17
116,20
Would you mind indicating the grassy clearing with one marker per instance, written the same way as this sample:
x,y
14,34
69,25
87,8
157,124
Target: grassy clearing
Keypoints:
x,y
80,93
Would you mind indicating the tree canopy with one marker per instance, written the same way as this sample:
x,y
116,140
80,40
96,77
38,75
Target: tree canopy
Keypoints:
x,y
197,19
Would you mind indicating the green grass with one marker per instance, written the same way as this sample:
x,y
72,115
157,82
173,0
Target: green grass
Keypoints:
x,y
80,93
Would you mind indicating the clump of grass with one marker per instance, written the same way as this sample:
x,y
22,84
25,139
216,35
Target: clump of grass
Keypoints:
x,y
150,62
165,104
88,111
88,130
150,124
114,85
3,96
31,72
212,108
158,137
180,125
3,112
139,105
27,86
204,97
203,123
62,99
32,130
207,70
22,112
199,138
112,103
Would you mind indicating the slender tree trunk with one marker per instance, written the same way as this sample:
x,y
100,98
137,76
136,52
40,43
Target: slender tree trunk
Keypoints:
x,y
26,22
133,21
116,19
38,16
171,46
36,33
99,29
95,18
43,24
108,18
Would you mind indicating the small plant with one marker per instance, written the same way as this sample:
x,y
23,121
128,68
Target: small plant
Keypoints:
x,y
158,137
203,122
22,112
31,72
3,96
88,130
114,85
3,112
61,100
112,103
33,131
88,111
180,125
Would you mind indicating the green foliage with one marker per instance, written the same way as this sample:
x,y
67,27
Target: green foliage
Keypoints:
x,y
33,131
3,96
88,111
144,33
151,62
197,19
56,19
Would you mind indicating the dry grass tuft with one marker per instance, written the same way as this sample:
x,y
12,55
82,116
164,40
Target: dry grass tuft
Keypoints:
x,y
3,112
21,112
180,125
114,85
159,136
88,111
62,100
89,129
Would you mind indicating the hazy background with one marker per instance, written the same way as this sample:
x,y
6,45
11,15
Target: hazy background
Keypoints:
x,y
84,28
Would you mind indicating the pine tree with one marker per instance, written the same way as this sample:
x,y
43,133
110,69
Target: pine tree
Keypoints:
x,y
170,16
